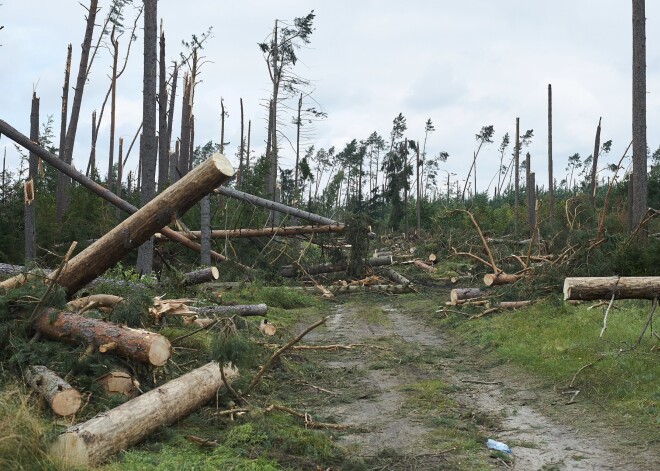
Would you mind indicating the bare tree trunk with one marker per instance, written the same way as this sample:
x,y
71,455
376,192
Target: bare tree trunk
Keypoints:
x,y
148,147
594,166
639,173
113,114
120,174
163,143
59,192
170,119
77,97
241,151
298,124
516,177
174,159
528,188
91,163
30,211
247,155
184,148
418,205
551,181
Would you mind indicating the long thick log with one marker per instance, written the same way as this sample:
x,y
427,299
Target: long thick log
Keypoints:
x,y
62,398
592,288
397,277
136,344
109,196
461,294
243,310
94,441
279,207
290,271
268,232
201,276
492,279
138,227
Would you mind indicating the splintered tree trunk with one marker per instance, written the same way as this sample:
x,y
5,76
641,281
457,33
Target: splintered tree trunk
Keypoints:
x,y
139,227
592,288
94,441
163,143
62,398
138,345
148,148
594,165
244,310
30,211
170,119
201,276
59,195
184,147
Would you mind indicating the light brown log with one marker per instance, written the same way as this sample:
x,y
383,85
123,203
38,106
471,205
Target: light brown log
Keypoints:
x,y
136,344
99,300
96,440
592,288
267,328
268,232
397,277
290,271
243,310
461,294
62,398
201,276
514,304
492,279
119,382
424,266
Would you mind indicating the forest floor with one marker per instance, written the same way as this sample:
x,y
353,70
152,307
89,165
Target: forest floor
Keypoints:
x,y
422,398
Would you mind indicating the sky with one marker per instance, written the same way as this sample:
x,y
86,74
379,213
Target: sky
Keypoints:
x,y
463,64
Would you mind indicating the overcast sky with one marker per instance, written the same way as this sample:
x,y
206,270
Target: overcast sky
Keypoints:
x,y
464,64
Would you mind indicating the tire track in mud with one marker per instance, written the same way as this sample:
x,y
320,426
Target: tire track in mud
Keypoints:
x,y
537,441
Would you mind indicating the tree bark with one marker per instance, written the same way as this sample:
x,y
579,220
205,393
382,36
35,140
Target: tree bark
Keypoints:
x,y
267,232
201,276
592,288
148,147
461,294
59,191
594,167
113,114
551,181
290,271
639,173
135,344
62,398
238,310
24,141
29,201
163,142
492,279
516,184
264,203
94,441
173,159
184,148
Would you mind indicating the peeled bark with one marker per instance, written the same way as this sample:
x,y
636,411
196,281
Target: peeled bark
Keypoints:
x,y
94,441
290,271
461,294
62,398
238,310
138,345
201,276
492,279
593,288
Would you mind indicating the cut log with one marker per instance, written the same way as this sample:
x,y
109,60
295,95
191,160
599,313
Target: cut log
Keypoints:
x,y
432,258
96,440
514,304
382,253
98,300
244,310
397,277
119,382
631,287
279,207
201,276
492,279
290,271
62,398
461,294
135,344
106,194
394,289
268,232
424,266
267,328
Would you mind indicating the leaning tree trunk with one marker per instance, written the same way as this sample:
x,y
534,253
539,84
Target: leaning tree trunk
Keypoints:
x,y
94,441
138,345
148,147
592,288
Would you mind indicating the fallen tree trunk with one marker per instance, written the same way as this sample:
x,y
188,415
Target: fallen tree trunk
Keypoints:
x,y
592,288
106,194
137,228
201,276
279,207
492,279
393,289
268,232
514,304
138,345
461,294
424,266
244,310
94,441
397,277
62,398
290,271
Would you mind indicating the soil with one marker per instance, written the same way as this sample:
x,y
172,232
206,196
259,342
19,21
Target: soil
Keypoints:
x,y
486,400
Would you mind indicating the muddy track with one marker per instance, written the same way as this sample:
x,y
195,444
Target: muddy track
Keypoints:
x,y
377,395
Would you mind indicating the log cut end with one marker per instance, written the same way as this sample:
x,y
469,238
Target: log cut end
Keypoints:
x,y
66,402
223,164
70,450
492,279
159,351
215,273
567,289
